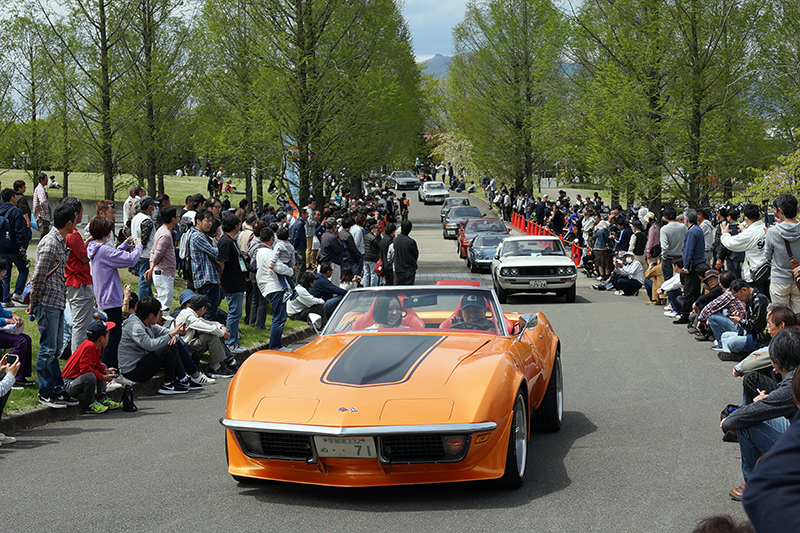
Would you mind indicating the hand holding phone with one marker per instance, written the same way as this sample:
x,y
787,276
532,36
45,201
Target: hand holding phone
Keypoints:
x,y
11,358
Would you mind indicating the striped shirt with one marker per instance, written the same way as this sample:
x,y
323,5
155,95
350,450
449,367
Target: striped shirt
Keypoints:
x,y
40,208
48,284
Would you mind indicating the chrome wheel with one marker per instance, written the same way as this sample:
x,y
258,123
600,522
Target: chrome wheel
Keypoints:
x,y
520,429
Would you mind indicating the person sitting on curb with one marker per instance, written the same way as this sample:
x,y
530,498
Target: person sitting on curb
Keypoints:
x,y
323,288
206,336
9,370
760,424
145,347
750,333
715,314
85,374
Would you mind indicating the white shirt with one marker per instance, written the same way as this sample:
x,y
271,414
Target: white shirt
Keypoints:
x,y
136,232
126,208
752,241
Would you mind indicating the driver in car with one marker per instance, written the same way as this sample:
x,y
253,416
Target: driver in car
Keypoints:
x,y
511,249
472,314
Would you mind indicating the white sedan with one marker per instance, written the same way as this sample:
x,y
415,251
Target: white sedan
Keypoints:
x,y
433,191
533,265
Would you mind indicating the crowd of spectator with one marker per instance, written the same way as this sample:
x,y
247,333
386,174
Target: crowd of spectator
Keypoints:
x,y
285,263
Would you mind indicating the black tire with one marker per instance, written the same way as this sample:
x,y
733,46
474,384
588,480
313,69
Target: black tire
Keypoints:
x,y
472,266
569,295
517,455
444,233
547,417
502,294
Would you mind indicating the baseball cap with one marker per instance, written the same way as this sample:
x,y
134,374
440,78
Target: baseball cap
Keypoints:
x,y
147,201
472,300
98,328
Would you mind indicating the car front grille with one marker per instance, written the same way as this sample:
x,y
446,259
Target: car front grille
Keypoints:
x,y
539,271
398,449
287,446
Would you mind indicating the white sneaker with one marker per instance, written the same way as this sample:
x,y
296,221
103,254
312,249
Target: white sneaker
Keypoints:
x,y
671,314
7,440
113,385
237,349
618,293
668,308
203,379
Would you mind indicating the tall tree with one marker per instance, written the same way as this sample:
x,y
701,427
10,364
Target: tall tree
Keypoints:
x,y
504,78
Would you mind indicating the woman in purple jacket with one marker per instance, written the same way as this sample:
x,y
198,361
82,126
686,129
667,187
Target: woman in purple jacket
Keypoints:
x,y
106,262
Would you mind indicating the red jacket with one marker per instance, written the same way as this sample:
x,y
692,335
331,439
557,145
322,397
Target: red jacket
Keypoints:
x,y
85,359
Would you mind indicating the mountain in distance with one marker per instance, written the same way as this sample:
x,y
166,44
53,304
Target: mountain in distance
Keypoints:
x,y
437,65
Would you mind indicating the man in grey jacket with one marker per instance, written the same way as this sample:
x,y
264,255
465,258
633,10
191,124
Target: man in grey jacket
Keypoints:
x,y
760,424
672,236
782,288
145,347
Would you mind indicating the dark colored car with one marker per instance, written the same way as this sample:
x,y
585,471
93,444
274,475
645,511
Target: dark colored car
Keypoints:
x,y
481,250
404,179
452,202
455,216
473,227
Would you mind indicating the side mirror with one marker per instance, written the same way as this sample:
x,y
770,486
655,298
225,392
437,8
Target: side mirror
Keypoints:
x,y
316,321
497,257
528,321
483,214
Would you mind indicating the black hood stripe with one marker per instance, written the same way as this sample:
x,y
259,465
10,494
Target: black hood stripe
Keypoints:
x,y
379,360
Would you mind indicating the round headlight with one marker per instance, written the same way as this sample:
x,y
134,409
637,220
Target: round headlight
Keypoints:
x,y
513,272
478,255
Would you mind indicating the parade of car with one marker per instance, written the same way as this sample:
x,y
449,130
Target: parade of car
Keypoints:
x,y
403,385
450,202
404,179
455,217
481,250
533,264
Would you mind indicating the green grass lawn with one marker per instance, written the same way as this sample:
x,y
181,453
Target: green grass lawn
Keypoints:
x,y
27,399
89,186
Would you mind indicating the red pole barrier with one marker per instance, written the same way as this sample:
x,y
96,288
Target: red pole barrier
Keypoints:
x,y
576,254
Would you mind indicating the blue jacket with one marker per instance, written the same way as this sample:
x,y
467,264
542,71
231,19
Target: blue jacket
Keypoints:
x,y
297,235
694,245
323,288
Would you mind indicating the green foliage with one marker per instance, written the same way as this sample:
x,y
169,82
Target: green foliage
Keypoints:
x,y
778,179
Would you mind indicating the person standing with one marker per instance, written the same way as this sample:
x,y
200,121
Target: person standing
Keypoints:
x,y
751,241
142,228
78,272
386,243
127,205
203,255
41,207
331,249
297,237
232,277
311,228
694,264
708,233
267,278
372,253
48,298
786,233
13,248
162,259
406,255
672,236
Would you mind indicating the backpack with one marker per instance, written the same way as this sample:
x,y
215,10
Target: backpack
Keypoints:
x,y
185,258
252,266
6,241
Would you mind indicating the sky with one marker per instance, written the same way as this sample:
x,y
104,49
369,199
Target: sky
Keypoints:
x,y
431,23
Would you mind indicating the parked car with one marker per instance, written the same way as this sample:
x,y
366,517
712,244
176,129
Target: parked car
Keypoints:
x,y
405,385
432,191
451,202
404,179
481,250
475,226
533,265
455,216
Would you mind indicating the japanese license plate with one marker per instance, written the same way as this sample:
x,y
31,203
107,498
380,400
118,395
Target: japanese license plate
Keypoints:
x,y
351,447
538,283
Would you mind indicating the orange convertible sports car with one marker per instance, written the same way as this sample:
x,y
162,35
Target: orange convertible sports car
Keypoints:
x,y
416,384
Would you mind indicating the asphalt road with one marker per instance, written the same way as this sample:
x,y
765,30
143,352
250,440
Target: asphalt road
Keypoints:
x,y
640,448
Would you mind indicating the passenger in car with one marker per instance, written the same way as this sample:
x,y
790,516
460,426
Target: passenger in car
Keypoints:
x,y
387,312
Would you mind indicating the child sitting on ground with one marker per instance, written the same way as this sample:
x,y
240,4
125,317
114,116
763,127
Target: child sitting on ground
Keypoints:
x,y
284,252
85,373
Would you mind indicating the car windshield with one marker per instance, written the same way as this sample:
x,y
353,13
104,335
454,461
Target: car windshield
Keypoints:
x,y
435,186
415,309
481,226
464,212
456,201
532,248
404,174
488,240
